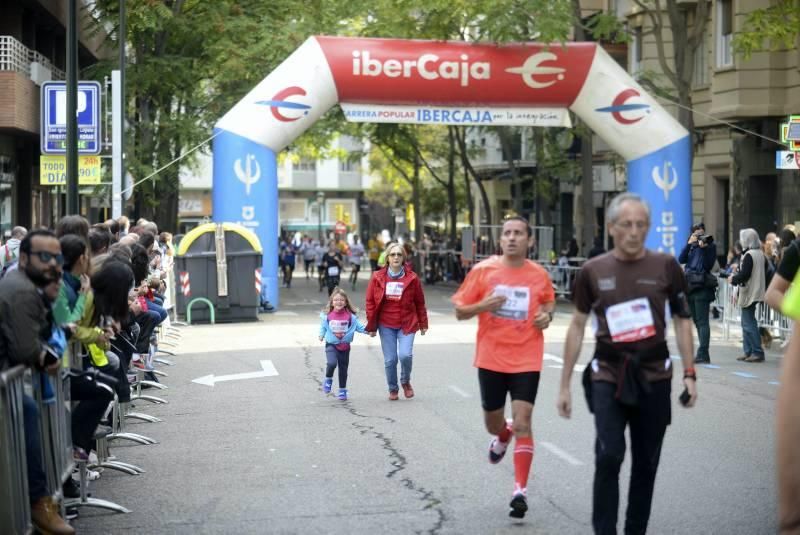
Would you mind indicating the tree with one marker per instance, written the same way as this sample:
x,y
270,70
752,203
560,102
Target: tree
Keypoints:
x,y
687,23
771,28
189,62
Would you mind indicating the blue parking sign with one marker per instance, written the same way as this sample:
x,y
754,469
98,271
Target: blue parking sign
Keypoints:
x,y
54,118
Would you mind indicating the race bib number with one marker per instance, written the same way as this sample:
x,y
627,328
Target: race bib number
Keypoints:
x,y
339,326
518,301
630,321
333,271
394,290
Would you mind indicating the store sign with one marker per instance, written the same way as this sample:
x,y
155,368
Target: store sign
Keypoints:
x,y
53,170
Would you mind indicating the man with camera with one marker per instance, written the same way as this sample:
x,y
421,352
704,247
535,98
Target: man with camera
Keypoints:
x,y
698,258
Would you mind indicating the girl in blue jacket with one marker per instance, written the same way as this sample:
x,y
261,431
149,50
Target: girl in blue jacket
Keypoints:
x,y
338,325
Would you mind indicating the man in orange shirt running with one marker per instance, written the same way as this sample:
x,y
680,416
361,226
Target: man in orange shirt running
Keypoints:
x,y
514,300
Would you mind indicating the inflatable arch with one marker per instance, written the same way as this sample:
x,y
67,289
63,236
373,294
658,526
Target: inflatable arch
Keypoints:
x,y
325,71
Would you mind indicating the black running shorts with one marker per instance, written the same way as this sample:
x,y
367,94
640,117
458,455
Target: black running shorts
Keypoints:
x,y
495,385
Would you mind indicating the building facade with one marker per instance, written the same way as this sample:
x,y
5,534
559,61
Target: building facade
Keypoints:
x,y
738,106
33,51
315,195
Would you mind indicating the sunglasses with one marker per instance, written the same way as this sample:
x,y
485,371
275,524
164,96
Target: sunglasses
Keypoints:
x,y
46,257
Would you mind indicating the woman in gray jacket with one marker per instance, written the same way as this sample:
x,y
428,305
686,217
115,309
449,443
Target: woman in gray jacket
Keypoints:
x,y
752,280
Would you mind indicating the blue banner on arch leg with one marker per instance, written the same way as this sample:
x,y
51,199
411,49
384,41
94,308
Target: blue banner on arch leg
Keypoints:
x,y
245,191
664,180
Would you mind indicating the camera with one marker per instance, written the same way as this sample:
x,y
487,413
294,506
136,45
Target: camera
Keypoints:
x,y
706,239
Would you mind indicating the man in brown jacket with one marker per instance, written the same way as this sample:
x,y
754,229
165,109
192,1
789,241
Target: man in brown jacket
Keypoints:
x,y
25,324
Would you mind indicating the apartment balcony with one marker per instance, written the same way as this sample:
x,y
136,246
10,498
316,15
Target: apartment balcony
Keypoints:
x,y
22,71
16,57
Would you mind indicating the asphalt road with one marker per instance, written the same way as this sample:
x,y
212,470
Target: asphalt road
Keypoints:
x,y
275,455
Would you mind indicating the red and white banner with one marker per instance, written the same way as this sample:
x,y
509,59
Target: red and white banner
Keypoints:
x,y
185,287
258,281
400,71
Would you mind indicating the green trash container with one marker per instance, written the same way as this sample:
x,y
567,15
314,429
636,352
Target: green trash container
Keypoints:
x,y
220,262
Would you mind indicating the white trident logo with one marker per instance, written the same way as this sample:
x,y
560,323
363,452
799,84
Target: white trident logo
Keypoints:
x,y
663,180
248,176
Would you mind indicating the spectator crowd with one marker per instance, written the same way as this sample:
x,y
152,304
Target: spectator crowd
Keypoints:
x,y
85,299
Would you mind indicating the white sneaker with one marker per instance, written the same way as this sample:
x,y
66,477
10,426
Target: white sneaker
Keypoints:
x,y
92,457
92,475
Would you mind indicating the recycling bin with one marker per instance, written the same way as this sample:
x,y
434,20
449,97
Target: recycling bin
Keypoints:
x,y
220,264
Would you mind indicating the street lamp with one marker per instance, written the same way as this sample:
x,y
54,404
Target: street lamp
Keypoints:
x,y
320,200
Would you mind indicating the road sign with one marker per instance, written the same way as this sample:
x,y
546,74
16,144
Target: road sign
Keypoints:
x,y
54,118
340,227
53,170
786,159
790,133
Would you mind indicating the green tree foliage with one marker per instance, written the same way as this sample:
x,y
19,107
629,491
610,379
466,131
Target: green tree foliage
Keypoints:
x,y
771,28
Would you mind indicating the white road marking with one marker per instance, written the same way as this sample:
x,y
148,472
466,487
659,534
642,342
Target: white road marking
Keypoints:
x,y
745,375
285,313
553,358
558,452
432,313
267,370
458,391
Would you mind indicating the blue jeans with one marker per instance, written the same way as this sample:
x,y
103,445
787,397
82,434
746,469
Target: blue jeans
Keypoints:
x,y
751,338
158,309
37,481
396,345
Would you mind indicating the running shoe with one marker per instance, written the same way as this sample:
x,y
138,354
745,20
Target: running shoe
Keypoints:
x,y
327,385
497,449
519,505
342,394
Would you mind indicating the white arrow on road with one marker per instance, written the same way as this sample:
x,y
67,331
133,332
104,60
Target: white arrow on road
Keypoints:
x,y
267,370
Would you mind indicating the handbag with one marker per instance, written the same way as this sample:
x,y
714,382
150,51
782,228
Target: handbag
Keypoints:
x,y
790,306
695,280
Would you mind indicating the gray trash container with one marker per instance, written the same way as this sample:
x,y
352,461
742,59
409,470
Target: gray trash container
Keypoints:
x,y
220,262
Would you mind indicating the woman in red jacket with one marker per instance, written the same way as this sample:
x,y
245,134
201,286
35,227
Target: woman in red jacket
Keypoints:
x,y
396,309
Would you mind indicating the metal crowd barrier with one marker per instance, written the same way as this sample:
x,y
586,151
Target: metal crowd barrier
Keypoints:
x,y
15,512
766,318
56,431
441,266
563,278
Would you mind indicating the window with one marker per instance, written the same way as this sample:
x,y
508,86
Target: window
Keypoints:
x,y
306,165
700,76
292,209
724,33
635,52
348,166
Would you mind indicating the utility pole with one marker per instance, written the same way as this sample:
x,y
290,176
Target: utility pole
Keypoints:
x,y
118,118
73,205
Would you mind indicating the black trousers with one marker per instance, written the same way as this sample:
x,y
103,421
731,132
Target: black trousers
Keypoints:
x,y
648,422
93,401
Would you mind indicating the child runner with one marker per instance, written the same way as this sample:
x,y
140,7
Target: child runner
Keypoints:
x,y
337,327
